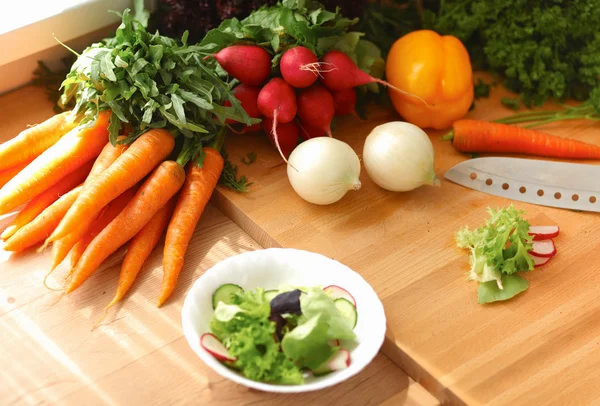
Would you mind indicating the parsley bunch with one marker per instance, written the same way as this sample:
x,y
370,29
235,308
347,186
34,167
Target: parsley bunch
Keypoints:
x,y
151,81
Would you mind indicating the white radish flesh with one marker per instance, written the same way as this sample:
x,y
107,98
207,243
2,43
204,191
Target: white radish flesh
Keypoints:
x,y
544,248
215,348
541,233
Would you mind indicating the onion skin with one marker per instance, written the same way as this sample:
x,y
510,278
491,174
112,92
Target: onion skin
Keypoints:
x,y
398,157
322,170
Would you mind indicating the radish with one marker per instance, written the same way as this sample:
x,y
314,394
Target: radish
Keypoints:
x,y
215,348
315,106
338,361
307,131
286,133
544,248
341,73
335,292
539,261
543,232
250,64
344,101
299,67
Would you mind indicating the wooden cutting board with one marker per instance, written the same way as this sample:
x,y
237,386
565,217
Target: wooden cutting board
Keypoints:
x,y
540,348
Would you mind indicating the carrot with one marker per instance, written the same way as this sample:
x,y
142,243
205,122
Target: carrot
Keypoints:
x,y
43,224
39,203
73,150
154,193
485,136
198,187
36,139
134,164
139,250
62,247
7,174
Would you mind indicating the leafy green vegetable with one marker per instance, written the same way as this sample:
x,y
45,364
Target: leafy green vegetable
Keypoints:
x,y
244,328
513,104
151,81
498,248
512,285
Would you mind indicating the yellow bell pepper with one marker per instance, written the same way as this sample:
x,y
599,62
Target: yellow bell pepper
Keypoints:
x,y
435,68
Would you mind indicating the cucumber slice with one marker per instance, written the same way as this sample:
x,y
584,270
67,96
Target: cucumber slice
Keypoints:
x,y
348,310
270,294
224,293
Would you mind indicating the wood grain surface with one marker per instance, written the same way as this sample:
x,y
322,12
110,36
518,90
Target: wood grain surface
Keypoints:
x,y
138,355
540,348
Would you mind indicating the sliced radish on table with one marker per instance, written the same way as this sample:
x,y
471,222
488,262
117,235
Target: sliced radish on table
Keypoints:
x,y
338,361
215,348
539,261
543,232
543,248
335,292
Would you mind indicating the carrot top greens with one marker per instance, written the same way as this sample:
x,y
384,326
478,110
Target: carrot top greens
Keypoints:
x,y
151,81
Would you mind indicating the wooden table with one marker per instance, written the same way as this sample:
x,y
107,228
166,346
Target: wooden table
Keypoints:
x,y
138,355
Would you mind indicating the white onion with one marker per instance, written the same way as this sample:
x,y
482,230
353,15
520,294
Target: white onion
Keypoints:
x,y
322,170
398,156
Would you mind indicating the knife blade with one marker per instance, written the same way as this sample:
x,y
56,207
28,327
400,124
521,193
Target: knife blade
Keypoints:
x,y
546,183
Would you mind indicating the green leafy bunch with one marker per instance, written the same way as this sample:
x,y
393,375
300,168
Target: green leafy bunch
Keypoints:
x,y
499,249
298,22
544,49
151,81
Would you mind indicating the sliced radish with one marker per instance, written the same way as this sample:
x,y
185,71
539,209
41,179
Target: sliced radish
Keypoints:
x,y
334,343
215,348
541,233
544,248
336,292
338,361
539,261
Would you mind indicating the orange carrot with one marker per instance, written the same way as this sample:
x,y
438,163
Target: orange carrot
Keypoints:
x,y
43,224
7,174
73,150
36,139
154,193
39,203
198,187
134,164
485,136
139,250
110,212
62,246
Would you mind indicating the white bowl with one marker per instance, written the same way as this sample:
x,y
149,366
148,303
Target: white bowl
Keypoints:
x,y
269,269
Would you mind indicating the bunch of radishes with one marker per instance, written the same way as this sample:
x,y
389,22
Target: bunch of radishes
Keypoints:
x,y
303,101
543,246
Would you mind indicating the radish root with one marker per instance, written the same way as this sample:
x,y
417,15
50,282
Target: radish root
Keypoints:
x,y
276,137
316,68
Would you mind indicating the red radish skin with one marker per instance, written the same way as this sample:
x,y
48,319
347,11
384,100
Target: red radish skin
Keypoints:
x,y
540,261
307,131
299,67
543,248
541,233
248,97
277,97
315,107
214,347
344,101
250,64
285,133
336,292
339,72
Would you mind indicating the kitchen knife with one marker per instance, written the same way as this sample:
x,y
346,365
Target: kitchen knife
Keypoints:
x,y
546,183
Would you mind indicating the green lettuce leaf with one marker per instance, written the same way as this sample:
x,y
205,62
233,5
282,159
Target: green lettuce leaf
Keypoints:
x,y
512,285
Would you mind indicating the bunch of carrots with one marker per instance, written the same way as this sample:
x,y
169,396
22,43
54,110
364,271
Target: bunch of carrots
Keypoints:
x,y
87,197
